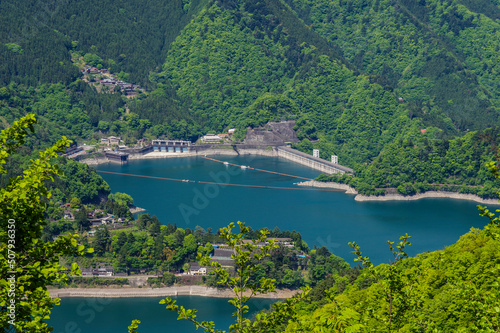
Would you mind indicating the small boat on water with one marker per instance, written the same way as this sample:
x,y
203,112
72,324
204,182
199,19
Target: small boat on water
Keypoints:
x,y
226,163
243,166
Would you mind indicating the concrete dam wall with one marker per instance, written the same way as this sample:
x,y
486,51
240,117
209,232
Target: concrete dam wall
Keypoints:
x,y
312,162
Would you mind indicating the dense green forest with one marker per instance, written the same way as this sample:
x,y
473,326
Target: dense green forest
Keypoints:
x,y
407,93
410,166
364,80
132,37
452,290
455,289
434,54
148,246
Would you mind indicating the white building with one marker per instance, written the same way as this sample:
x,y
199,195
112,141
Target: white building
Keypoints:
x,y
211,138
196,269
316,153
335,159
103,272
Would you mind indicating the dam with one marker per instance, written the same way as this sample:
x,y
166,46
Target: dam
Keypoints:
x,y
312,162
273,139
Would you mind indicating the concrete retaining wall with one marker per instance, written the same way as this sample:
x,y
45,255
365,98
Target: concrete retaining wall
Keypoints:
x,y
289,154
309,162
261,152
94,161
161,292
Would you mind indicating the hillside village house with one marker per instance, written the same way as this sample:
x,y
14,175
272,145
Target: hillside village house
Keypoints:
x,y
285,242
108,220
68,215
103,272
223,256
103,221
95,222
100,272
223,253
108,82
130,92
93,70
196,269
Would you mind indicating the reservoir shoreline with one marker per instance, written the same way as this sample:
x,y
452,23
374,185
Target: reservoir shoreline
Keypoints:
x,y
272,153
124,292
164,155
398,197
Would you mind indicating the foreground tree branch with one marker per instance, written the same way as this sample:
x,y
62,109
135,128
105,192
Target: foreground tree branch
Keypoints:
x,y
28,265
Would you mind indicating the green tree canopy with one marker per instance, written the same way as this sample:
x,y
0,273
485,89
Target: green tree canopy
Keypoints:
x,y
27,264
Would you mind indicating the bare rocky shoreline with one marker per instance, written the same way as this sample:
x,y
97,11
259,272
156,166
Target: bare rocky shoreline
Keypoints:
x,y
338,186
430,194
117,292
398,197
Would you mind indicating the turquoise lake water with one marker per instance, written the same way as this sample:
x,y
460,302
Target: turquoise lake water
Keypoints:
x,y
330,219
114,315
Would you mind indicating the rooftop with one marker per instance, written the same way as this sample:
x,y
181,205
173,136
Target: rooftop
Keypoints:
x,y
117,153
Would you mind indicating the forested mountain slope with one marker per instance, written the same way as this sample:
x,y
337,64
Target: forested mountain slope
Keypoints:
x,y
440,56
452,290
241,67
415,91
405,92
441,81
128,36
360,77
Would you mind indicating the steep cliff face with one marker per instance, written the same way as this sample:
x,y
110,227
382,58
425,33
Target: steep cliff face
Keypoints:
x,y
285,130
273,133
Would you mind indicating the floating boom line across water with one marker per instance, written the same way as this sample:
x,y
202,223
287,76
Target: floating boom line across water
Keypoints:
x,y
256,169
220,184
150,177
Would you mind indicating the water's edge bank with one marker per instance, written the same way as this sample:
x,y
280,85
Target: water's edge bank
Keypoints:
x,y
160,292
162,155
338,186
348,189
429,194
399,197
